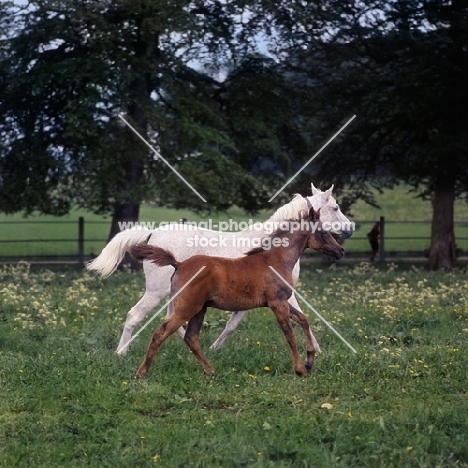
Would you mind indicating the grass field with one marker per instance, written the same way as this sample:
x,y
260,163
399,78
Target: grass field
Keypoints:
x,y
67,400
407,227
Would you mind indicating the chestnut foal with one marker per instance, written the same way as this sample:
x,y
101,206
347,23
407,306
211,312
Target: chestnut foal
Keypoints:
x,y
239,284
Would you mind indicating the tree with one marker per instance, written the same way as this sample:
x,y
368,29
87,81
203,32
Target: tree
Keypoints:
x,y
68,68
402,68
263,108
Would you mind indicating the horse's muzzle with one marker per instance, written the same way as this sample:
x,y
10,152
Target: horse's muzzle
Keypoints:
x,y
346,234
340,253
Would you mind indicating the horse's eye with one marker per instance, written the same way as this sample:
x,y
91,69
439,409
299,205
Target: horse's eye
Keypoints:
x,y
336,208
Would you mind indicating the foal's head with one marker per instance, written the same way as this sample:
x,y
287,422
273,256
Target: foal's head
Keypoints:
x,y
321,239
306,232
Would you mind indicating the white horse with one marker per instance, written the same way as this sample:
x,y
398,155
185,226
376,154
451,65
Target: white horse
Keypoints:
x,y
184,243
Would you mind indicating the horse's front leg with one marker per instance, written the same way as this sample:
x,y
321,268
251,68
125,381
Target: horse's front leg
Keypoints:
x,y
301,319
231,325
281,310
293,302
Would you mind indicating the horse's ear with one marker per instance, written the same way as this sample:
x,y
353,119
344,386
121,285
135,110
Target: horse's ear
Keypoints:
x,y
327,195
309,205
315,191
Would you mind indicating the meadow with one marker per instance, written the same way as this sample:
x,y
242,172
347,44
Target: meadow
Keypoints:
x,y
67,399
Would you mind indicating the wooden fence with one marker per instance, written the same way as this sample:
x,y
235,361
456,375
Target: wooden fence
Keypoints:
x,y
23,240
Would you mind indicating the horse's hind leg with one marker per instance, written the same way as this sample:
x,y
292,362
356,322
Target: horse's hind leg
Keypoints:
x,y
231,325
157,288
136,314
167,328
281,310
170,309
193,341
301,319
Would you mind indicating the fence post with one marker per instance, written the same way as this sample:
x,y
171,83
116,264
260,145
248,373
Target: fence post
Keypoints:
x,y
382,239
81,242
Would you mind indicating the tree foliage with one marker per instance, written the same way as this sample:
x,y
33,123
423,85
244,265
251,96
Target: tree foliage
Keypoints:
x,y
70,67
402,68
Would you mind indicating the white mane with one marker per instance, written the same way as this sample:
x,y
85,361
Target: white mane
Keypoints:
x,y
295,209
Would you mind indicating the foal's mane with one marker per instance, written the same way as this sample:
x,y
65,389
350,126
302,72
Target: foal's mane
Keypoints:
x,y
254,251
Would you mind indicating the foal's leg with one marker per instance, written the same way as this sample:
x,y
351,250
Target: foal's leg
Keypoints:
x,y
167,328
293,302
193,342
231,325
170,309
301,319
281,310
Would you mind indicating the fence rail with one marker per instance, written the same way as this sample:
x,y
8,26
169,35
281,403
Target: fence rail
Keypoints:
x,y
398,238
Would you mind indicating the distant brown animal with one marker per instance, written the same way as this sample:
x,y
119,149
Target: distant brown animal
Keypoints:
x,y
239,284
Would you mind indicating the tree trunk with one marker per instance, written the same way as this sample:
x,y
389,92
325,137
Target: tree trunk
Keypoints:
x,y
442,252
129,210
124,213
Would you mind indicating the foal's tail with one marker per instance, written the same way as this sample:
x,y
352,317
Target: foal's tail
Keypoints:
x,y
160,257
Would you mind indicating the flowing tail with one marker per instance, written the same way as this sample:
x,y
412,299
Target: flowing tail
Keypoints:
x,y
160,257
113,253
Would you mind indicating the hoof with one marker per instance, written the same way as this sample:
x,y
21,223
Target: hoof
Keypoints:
x,y
309,368
141,375
302,373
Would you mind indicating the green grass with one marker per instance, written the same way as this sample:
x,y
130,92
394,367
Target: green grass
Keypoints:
x,y
402,205
67,400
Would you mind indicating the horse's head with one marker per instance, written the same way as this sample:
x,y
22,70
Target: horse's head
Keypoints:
x,y
330,212
320,239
